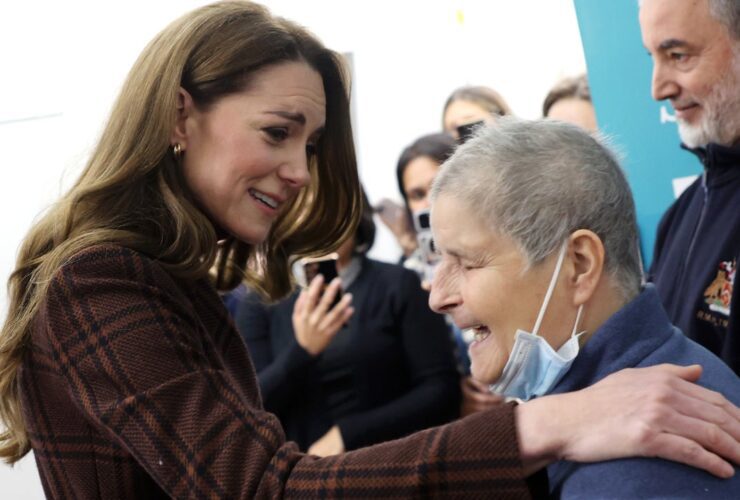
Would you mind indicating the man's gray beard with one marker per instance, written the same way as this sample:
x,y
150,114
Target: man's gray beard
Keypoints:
x,y
721,121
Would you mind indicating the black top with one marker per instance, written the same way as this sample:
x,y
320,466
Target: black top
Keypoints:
x,y
696,254
388,373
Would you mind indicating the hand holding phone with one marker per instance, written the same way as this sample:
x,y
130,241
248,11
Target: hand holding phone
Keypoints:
x,y
395,217
325,266
321,310
429,255
391,213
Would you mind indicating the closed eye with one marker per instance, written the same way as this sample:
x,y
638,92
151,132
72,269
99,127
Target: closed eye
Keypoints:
x,y
471,264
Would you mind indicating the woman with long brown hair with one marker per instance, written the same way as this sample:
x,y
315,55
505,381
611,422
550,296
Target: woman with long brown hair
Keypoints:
x,y
229,148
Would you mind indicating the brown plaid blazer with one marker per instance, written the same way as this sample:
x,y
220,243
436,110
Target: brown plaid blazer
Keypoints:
x,y
136,385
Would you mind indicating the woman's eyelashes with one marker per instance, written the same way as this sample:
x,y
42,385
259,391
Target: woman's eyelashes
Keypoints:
x,y
277,134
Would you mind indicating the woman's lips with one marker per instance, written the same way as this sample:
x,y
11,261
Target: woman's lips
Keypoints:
x,y
482,333
267,202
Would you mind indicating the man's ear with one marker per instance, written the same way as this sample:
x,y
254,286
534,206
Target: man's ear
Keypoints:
x,y
185,106
586,252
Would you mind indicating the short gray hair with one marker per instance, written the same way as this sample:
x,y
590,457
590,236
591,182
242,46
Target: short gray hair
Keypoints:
x,y
727,12
537,182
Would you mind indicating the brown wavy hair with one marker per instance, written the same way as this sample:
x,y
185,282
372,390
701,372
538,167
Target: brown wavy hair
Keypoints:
x,y
132,192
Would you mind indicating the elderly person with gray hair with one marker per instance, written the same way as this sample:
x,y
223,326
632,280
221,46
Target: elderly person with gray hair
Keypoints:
x,y
695,49
536,227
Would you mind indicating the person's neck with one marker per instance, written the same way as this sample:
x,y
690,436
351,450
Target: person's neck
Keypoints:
x,y
343,261
604,303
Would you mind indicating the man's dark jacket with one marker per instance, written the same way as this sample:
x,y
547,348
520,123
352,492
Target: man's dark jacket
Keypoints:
x,y
696,255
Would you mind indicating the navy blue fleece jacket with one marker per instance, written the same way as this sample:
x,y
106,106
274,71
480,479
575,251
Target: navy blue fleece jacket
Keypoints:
x,y
696,254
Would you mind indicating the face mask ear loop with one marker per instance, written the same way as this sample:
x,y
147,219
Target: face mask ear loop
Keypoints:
x,y
550,289
578,320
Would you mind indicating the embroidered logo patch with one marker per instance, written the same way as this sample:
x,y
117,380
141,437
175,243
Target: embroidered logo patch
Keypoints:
x,y
719,292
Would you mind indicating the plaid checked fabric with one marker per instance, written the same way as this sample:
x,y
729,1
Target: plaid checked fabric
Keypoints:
x,y
136,385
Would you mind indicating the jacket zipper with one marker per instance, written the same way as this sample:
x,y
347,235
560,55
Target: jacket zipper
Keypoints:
x,y
697,228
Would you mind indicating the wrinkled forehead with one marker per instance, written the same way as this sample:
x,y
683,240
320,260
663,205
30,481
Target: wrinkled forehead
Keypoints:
x,y
456,223
662,21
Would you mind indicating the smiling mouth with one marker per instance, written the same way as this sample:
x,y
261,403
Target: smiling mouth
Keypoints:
x,y
263,198
481,333
680,109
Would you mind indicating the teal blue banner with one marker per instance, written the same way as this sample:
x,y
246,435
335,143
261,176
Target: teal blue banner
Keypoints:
x,y
644,131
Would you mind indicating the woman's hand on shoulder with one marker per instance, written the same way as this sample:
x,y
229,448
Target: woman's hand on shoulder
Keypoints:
x,y
314,322
652,412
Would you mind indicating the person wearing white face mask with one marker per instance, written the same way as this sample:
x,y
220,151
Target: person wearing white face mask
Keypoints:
x,y
536,227
534,367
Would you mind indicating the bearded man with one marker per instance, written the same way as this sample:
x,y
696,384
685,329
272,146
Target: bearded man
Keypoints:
x,y
695,47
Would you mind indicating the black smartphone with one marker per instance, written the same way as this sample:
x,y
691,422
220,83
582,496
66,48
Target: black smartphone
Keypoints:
x,y
325,266
425,241
421,220
465,132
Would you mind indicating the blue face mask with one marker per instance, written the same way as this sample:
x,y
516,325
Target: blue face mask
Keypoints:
x,y
534,367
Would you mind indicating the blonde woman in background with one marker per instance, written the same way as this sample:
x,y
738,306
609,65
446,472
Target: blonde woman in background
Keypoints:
x,y
469,106
570,101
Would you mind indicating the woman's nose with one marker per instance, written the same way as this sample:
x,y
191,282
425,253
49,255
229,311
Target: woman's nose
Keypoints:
x,y
444,296
295,171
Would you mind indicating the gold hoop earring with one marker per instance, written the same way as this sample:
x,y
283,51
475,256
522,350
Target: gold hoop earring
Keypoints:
x,y
177,151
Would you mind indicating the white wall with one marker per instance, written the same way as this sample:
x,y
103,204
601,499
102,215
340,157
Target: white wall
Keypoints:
x,y
65,61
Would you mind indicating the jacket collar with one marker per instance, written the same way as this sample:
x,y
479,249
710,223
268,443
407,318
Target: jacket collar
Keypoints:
x,y
715,155
630,334
721,163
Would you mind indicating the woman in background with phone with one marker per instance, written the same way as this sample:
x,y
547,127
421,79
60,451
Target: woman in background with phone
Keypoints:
x,y
469,107
417,168
415,171
465,109
341,377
